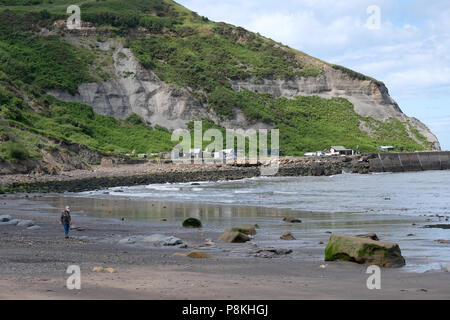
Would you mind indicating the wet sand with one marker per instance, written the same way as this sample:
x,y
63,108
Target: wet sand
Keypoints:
x,y
33,265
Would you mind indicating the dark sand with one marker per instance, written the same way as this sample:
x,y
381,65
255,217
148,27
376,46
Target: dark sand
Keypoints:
x,y
33,266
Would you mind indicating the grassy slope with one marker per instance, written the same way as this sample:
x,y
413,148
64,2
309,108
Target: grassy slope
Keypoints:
x,y
184,49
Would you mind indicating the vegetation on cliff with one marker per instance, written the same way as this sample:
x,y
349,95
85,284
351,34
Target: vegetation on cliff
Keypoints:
x,y
183,49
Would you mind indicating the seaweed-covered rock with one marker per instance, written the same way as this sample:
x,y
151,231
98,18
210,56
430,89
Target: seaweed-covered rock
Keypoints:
x,y
287,236
248,230
192,223
233,237
364,251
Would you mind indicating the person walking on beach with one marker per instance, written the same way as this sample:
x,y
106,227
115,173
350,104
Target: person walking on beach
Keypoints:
x,y
66,220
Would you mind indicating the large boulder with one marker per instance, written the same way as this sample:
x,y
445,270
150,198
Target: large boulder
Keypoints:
x,y
192,223
364,251
233,237
248,230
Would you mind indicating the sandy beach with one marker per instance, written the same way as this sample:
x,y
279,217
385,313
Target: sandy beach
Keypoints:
x,y
33,265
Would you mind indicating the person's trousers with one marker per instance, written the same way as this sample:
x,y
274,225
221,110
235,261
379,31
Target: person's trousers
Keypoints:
x,y
66,229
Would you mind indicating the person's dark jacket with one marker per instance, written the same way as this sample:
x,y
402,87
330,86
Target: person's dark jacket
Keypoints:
x,y
65,217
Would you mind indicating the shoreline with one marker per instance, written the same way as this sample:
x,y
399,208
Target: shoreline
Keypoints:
x,y
33,265
110,175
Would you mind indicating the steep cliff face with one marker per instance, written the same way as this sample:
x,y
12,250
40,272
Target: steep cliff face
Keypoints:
x,y
134,89
370,99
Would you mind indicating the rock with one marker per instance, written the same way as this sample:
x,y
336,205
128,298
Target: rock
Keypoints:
x,y
5,218
172,241
411,235
25,223
159,239
364,251
292,220
370,235
192,223
103,269
277,251
195,254
208,243
271,252
443,241
287,236
248,230
233,237
34,228
13,222
438,226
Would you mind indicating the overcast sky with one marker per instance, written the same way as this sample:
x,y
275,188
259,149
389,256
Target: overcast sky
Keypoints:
x,y
409,51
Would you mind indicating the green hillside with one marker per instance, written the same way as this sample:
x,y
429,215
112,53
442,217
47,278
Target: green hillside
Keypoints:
x,y
183,49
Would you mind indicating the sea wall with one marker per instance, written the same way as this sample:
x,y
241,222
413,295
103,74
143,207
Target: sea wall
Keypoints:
x,y
414,161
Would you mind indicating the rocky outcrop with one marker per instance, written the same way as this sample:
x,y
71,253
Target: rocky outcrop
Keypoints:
x,y
369,98
364,251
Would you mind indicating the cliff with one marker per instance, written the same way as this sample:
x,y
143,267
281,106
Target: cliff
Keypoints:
x,y
137,70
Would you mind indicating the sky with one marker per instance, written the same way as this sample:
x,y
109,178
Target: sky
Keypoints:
x,y
404,43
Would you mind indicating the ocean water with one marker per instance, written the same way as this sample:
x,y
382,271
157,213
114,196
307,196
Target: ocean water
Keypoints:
x,y
411,194
395,206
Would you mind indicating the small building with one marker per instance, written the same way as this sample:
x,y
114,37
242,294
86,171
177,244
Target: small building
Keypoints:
x,y
315,154
341,150
176,155
386,148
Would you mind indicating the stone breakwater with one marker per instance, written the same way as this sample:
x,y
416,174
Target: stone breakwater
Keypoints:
x,y
116,177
